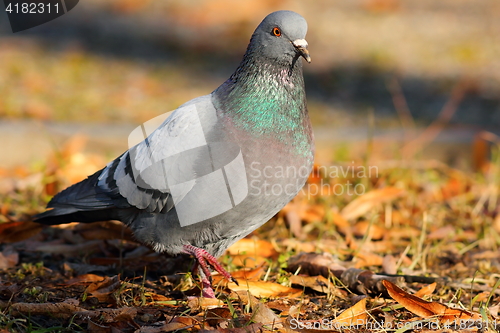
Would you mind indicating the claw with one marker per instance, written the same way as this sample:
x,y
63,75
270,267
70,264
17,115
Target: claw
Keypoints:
x,y
202,258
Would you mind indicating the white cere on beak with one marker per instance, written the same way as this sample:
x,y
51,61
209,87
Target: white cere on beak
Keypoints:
x,y
300,43
301,46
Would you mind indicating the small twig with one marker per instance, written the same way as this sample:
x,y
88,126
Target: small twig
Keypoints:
x,y
433,130
401,106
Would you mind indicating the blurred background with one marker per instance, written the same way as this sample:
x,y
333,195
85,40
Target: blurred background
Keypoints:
x,y
389,79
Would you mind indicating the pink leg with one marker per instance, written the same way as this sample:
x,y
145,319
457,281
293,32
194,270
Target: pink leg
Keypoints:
x,y
207,290
202,258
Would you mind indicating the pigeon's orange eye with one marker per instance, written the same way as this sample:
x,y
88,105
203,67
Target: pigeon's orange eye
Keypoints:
x,y
277,31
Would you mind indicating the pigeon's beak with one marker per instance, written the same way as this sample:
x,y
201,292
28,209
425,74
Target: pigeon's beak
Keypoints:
x,y
301,46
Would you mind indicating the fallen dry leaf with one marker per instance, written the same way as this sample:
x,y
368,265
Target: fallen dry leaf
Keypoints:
x,y
8,257
354,316
368,259
318,283
348,319
253,274
341,223
178,323
12,232
263,315
426,309
264,289
195,303
389,264
251,247
102,290
362,228
426,290
248,261
359,206
216,316
85,279
447,231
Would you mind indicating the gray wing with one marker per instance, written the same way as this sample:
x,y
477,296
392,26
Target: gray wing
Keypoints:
x,y
170,155
141,178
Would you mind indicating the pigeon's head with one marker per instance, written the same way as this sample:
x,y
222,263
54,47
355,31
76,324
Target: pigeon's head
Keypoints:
x,y
281,37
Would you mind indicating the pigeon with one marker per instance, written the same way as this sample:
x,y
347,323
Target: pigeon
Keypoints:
x,y
216,168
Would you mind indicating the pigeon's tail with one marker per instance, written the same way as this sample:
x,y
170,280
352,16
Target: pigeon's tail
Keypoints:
x,y
82,202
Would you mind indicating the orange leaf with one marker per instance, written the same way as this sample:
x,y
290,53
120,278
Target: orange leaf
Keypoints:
x,y
413,304
367,201
427,309
250,247
85,279
318,283
342,225
368,259
427,290
264,289
355,315
248,261
376,232
253,274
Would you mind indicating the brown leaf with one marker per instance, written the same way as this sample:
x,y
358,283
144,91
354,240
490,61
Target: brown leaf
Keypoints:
x,y
426,309
178,323
359,206
263,315
109,315
216,316
318,283
315,264
447,231
12,232
8,257
105,230
102,290
389,264
8,290
85,279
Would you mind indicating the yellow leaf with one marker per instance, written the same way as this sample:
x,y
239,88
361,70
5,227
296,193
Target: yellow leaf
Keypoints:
x,y
264,289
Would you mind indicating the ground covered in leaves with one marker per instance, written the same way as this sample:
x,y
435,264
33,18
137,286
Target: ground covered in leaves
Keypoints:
x,y
366,245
